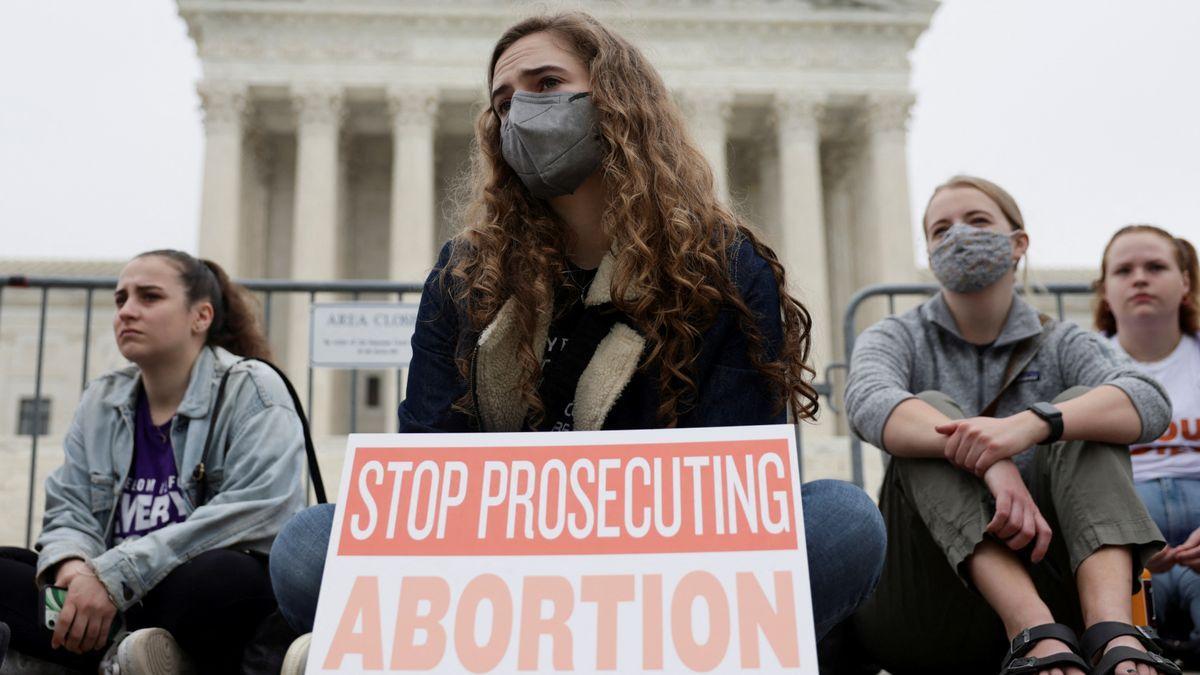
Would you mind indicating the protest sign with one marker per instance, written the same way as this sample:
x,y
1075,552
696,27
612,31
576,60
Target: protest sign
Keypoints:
x,y
634,551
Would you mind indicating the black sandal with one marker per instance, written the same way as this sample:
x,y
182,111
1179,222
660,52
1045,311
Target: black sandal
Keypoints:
x,y
1099,635
1016,663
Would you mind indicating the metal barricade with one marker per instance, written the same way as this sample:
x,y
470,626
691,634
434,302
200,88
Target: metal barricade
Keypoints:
x,y
269,291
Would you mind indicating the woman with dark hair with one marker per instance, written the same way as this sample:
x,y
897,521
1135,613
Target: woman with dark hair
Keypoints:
x,y
601,284
159,521
1012,521
1148,304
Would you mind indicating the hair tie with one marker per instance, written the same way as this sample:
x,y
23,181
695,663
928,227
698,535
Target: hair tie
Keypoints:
x,y
218,299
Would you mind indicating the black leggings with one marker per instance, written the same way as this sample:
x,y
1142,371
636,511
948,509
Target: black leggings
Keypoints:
x,y
212,605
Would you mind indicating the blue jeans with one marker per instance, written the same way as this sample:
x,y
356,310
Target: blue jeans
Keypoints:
x,y
1174,504
843,529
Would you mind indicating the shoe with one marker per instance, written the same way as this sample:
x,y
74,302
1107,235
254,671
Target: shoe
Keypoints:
x,y
1016,662
296,659
149,651
1096,638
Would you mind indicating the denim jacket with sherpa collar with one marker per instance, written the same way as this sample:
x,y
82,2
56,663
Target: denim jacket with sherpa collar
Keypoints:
x,y
614,391
253,474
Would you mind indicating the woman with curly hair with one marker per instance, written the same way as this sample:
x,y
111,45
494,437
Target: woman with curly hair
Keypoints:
x,y
601,284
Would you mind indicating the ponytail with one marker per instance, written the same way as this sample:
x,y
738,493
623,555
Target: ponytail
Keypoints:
x,y
238,331
1189,314
235,324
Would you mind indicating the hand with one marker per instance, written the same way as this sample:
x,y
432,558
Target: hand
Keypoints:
x,y
1018,521
87,613
1187,553
976,443
1163,560
68,570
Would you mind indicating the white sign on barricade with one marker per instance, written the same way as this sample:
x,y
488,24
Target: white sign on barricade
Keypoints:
x,y
634,551
361,334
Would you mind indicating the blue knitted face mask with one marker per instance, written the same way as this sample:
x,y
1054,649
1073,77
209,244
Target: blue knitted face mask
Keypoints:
x,y
968,259
551,141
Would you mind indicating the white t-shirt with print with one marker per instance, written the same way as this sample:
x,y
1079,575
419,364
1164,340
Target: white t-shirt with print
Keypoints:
x,y
1176,454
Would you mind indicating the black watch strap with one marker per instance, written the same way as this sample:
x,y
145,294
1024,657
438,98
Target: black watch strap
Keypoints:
x,y
1053,417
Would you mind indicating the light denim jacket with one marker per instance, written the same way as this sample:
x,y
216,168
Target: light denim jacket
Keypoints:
x,y
254,474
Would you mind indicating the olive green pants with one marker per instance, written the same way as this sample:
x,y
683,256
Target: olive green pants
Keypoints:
x,y
925,615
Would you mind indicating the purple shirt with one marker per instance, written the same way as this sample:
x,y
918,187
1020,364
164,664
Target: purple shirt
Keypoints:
x,y
150,498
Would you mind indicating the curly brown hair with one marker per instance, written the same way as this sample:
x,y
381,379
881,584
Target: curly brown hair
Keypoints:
x,y
671,236
1185,258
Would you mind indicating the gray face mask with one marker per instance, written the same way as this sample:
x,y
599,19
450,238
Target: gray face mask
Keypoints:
x,y
968,259
551,141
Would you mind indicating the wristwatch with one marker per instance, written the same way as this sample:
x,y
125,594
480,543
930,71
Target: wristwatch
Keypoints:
x,y
1053,417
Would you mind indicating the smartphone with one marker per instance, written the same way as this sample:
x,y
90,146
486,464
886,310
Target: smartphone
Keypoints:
x,y
53,599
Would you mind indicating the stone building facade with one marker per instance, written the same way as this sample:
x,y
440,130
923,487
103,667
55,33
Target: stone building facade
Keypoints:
x,y
801,106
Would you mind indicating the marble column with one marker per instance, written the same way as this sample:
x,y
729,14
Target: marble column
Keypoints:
x,y
414,196
888,216
319,113
802,220
224,106
315,241
257,172
766,148
707,113
414,201
841,195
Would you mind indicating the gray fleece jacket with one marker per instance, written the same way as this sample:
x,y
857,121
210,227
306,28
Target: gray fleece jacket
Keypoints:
x,y
922,350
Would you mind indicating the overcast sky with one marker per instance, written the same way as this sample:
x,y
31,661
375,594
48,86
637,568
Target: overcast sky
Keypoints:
x,y
1088,111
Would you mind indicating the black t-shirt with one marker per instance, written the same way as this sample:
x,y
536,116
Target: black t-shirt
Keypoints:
x,y
568,310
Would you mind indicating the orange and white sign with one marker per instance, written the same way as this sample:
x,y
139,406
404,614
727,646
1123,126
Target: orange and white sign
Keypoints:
x,y
630,551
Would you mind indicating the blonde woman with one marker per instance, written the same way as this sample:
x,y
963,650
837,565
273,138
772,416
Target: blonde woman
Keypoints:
x,y
1012,520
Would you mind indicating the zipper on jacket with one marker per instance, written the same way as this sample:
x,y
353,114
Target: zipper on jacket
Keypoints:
x,y
979,380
